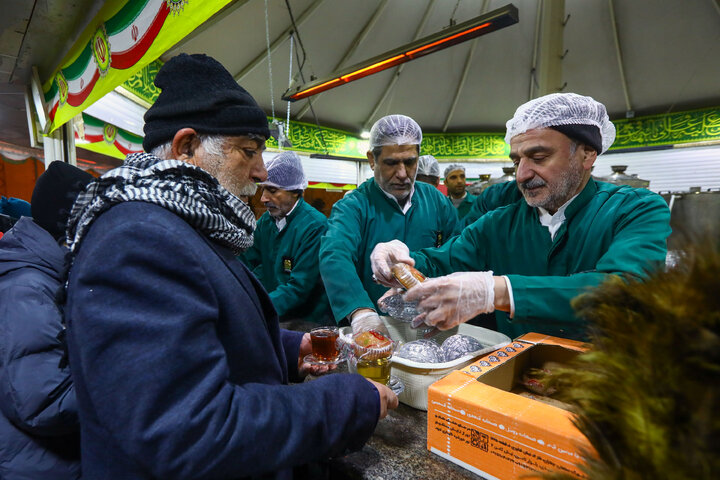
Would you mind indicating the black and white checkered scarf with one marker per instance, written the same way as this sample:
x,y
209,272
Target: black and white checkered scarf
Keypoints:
x,y
184,189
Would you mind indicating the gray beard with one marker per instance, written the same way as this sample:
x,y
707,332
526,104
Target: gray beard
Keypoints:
x,y
567,185
213,166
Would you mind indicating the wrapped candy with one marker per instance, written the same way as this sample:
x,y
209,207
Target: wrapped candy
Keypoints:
x,y
423,351
458,345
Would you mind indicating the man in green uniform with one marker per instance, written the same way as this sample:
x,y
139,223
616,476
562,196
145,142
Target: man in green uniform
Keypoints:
x,y
284,256
529,259
389,205
428,170
491,198
457,189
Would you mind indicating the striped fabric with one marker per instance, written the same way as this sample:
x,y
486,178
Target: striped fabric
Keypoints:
x,y
186,190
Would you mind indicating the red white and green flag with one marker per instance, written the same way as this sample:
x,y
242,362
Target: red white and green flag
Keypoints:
x,y
124,36
106,138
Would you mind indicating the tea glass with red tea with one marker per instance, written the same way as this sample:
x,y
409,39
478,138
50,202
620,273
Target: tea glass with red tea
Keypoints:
x,y
324,342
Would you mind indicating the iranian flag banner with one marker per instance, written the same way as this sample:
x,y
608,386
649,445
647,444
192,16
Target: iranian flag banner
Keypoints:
x,y
101,137
123,37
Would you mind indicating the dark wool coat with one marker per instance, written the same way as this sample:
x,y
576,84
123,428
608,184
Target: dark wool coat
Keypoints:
x,y
180,366
38,424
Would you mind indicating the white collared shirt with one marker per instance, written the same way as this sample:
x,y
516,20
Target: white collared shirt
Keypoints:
x,y
553,224
281,222
408,203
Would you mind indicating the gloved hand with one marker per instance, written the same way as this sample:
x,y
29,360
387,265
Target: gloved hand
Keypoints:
x,y
368,320
393,303
453,299
384,256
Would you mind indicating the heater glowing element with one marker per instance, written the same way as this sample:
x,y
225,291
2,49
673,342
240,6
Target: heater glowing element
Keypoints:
x,y
495,20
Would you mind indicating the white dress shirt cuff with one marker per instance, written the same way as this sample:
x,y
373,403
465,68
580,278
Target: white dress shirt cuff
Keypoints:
x,y
510,295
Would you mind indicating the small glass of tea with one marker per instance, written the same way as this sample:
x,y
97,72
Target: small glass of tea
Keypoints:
x,y
324,341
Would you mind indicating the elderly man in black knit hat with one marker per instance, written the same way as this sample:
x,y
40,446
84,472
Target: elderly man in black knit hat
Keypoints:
x,y
527,260
180,366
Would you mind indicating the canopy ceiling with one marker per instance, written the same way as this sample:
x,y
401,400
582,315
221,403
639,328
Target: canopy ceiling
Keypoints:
x,y
670,55
670,51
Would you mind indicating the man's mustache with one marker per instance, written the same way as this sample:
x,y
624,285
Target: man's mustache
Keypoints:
x,y
533,183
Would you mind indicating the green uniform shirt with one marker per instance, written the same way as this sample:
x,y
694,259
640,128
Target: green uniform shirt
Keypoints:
x,y
365,218
609,229
491,198
463,207
286,263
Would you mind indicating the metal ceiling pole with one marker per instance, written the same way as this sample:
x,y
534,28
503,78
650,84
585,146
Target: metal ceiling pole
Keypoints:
x,y
466,69
551,47
396,76
628,108
60,145
533,69
350,51
277,42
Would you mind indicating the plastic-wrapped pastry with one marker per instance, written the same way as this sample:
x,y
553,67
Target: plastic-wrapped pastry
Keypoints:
x,y
398,308
423,351
458,345
407,276
372,345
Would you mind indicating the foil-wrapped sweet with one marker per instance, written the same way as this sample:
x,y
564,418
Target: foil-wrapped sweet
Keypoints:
x,y
458,345
396,307
423,351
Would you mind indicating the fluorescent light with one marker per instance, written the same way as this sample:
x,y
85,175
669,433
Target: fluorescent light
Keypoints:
x,y
122,112
495,20
365,134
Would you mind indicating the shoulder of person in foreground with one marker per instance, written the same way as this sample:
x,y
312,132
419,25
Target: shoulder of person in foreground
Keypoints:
x,y
31,271
166,352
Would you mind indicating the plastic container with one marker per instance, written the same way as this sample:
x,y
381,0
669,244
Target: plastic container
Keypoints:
x,y
416,376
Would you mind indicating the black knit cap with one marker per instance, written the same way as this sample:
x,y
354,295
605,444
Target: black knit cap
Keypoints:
x,y
587,134
199,93
54,194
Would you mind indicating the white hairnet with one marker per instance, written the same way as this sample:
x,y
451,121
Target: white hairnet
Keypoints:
x,y
395,130
285,171
427,165
561,109
451,168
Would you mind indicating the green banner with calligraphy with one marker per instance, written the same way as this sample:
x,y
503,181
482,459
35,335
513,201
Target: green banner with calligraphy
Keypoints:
x,y
141,84
465,145
668,129
307,137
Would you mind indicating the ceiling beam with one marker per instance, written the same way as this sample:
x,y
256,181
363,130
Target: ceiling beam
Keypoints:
x,y
350,51
277,42
536,41
618,53
551,47
399,70
464,75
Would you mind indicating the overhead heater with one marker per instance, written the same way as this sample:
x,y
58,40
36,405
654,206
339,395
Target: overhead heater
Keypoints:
x,y
489,22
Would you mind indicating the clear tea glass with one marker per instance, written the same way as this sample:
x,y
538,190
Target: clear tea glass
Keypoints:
x,y
377,370
324,342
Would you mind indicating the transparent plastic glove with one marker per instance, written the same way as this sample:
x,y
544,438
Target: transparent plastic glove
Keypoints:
x,y
453,299
364,321
384,256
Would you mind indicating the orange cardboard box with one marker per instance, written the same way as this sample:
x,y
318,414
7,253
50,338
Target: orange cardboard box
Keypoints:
x,y
475,420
